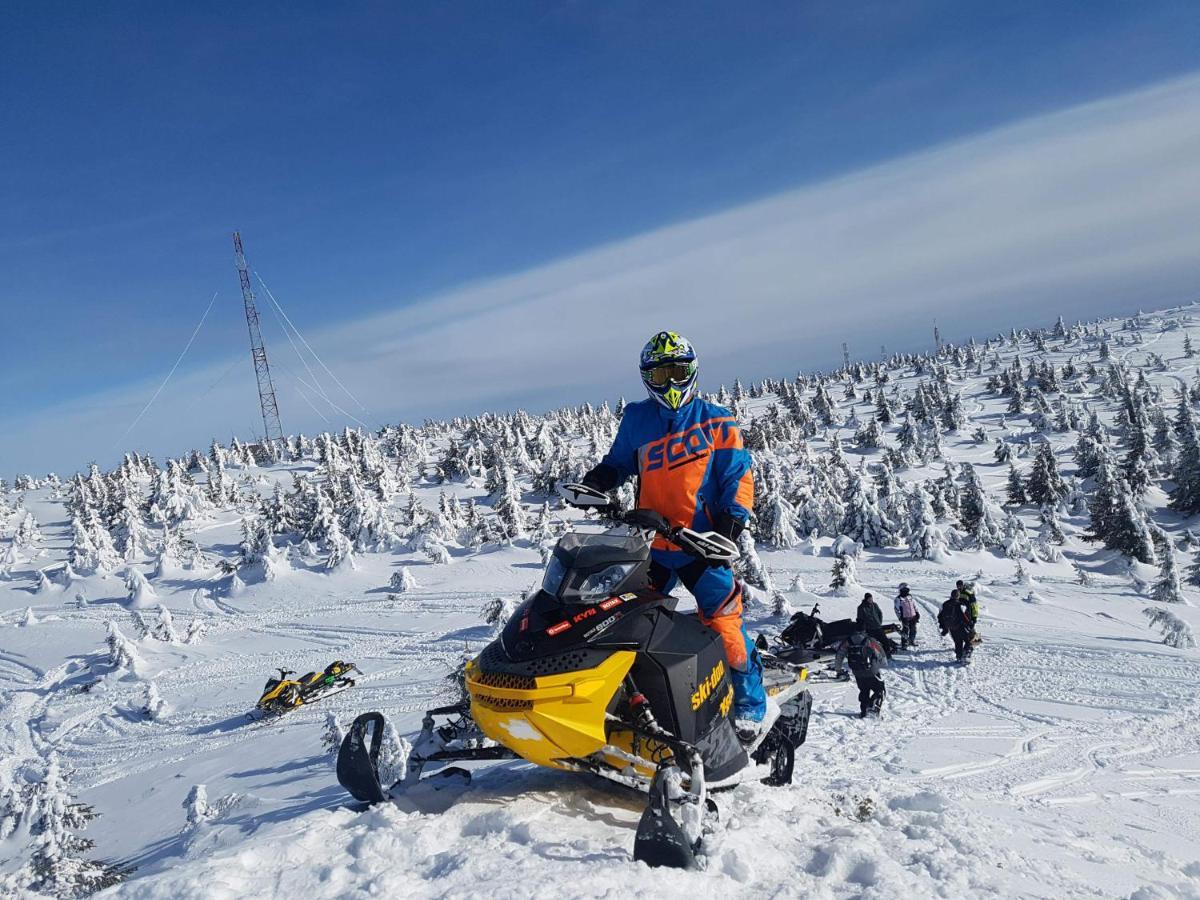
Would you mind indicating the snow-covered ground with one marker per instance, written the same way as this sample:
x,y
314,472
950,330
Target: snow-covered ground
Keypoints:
x,y
1064,762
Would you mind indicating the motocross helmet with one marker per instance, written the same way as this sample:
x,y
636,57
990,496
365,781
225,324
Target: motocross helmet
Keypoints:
x,y
669,369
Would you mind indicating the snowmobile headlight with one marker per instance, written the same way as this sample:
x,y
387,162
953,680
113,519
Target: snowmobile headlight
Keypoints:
x,y
553,579
604,583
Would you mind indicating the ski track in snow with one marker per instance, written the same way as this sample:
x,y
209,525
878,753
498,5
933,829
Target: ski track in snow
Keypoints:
x,y
1063,762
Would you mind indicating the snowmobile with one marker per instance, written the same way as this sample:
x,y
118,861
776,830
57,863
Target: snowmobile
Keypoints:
x,y
807,638
283,693
597,673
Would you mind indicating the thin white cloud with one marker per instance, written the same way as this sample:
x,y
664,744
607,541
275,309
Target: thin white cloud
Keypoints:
x,y
1084,211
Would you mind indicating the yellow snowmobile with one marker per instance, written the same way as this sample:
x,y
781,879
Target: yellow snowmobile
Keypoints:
x,y
283,693
597,673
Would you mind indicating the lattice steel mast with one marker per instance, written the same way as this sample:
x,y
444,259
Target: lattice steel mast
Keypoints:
x,y
258,350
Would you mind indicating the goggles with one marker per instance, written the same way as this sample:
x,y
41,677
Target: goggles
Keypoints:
x,y
674,373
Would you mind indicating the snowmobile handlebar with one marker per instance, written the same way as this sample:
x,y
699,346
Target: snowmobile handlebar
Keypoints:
x,y
708,545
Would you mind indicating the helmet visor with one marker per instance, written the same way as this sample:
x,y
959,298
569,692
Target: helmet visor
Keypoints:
x,y
669,373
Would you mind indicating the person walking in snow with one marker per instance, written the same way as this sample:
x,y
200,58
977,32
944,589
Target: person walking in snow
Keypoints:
x,y
954,620
908,614
966,595
865,657
692,467
869,617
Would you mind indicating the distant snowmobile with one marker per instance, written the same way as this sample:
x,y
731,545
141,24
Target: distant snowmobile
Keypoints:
x,y
808,638
282,694
598,673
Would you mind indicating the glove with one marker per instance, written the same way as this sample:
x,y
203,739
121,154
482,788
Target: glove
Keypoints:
x,y
729,525
602,478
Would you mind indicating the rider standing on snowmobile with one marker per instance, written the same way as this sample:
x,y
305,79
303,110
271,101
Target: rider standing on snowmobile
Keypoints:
x,y
907,613
953,619
692,468
865,655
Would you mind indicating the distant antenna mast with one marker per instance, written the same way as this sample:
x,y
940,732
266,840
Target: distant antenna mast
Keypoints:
x,y
937,336
846,356
258,350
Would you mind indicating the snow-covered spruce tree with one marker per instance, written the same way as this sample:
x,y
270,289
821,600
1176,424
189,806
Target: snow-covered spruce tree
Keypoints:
x,y
1185,498
1176,632
1166,588
507,504
341,550
164,628
154,707
256,541
403,582
52,817
977,514
1045,484
864,521
1117,520
1016,487
334,734
844,578
175,497
869,436
497,611
140,594
122,653
28,533
781,607
1188,541
749,566
324,520
367,523
926,540
891,495
89,553
394,751
1016,539
1130,531
195,807
775,518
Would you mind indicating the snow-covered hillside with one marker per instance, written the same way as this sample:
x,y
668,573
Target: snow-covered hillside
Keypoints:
x,y
143,609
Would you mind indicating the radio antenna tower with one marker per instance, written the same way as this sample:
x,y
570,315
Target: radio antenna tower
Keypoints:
x,y
258,351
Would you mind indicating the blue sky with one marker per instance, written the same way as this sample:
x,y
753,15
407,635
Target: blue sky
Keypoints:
x,y
377,155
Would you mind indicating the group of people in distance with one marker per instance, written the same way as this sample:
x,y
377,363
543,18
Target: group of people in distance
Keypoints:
x,y
867,648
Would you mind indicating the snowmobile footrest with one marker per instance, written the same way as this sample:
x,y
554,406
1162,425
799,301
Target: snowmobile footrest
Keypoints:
x,y
357,762
660,840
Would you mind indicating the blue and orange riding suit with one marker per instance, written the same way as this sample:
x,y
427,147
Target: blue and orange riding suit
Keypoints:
x,y
692,468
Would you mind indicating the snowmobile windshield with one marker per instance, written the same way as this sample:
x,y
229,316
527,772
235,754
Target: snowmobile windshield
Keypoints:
x,y
590,567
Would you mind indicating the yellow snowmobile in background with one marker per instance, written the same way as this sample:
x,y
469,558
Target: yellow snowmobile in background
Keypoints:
x,y
283,693
597,673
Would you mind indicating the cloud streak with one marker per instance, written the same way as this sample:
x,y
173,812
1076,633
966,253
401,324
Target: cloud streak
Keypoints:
x,y
1082,212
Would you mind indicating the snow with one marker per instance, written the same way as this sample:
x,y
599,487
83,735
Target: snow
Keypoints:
x,y
1065,761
